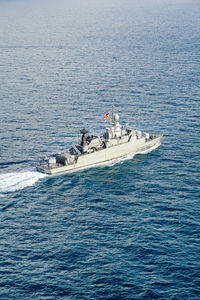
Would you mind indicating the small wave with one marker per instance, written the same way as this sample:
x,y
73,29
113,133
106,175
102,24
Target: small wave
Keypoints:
x,y
10,182
8,163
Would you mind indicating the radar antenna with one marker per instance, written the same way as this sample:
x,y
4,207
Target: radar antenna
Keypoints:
x,y
83,139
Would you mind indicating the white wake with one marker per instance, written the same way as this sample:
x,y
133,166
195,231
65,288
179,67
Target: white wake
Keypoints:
x,y
10,182
150,149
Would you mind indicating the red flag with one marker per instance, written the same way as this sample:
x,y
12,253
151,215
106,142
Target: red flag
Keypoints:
x,y
106,115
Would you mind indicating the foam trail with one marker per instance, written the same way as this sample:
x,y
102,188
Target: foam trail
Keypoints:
x,y
150,149
10,182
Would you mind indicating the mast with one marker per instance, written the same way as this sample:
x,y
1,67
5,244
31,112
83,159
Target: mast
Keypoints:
x,y
112,114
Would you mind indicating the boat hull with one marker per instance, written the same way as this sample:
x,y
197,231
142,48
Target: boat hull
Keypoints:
x,y
104,155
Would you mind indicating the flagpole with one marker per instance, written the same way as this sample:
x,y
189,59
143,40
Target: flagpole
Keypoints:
x,y
112,114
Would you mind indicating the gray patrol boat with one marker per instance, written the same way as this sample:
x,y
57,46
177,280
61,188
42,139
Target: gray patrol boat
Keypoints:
x,y
116,142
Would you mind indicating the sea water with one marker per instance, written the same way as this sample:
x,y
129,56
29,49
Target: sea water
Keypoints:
x,y
125,230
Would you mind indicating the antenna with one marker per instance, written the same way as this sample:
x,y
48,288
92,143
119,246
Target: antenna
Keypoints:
x,y
113,114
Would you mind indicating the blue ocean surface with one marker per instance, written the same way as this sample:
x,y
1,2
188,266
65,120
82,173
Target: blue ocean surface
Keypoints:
x,y
126,230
